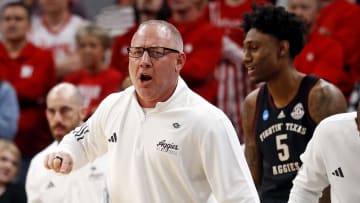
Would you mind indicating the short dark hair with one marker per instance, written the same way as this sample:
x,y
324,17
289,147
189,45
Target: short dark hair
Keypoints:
x,y
278,23
16,4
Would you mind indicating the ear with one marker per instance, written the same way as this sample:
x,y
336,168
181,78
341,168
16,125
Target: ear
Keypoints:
x,y
82,113
284,48
47,114
180,61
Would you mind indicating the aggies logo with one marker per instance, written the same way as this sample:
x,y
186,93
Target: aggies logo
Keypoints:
x,y
298,111
167,147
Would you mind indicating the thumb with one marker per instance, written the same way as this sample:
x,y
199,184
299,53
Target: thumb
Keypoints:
x,y
57,163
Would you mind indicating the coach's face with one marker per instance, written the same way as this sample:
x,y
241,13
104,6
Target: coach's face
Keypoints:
x,y
155,78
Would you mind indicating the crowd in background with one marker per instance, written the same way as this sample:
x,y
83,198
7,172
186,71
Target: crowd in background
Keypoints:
x,y
58,41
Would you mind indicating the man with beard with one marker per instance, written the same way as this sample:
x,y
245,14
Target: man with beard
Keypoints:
x,y
64,112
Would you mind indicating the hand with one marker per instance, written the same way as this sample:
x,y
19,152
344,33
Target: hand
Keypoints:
x,y
60,162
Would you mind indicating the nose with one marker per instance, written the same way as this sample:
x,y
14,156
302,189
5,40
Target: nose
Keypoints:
x,y
246,56
145,60
57,116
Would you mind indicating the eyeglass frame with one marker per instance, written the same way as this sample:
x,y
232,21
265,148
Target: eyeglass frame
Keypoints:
x,y
148,50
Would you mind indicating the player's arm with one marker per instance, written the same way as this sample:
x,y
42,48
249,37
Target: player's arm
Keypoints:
x,y
252,151
325,99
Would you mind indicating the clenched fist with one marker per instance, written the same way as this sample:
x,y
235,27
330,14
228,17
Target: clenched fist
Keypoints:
x,y
60,162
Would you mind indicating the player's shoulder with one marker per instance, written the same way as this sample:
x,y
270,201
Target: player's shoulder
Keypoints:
x,y
325,90
325,99
250,100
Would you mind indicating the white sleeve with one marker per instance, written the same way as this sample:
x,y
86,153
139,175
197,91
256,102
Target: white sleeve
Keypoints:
x,y
225,165
32,186
88,141
311,178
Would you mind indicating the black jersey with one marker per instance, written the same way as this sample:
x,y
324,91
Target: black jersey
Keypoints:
x,y
282,134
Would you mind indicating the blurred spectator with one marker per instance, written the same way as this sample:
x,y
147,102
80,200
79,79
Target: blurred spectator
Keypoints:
x,y
151,9
339,19
145,10
31,72
95,79
55,29
9,167
76,7
64,112
93,7
228,14
202,46
3,2
117,18
322,55
234,84
9,111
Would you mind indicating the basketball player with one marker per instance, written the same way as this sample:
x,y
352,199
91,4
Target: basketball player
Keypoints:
x,y
280,116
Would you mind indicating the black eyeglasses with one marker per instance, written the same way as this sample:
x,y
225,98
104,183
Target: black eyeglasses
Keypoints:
x,y
154,52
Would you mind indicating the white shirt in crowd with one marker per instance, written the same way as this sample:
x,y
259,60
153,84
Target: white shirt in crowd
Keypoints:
x,y
61,41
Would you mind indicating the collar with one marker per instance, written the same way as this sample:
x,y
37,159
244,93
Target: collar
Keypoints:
x,y
172,102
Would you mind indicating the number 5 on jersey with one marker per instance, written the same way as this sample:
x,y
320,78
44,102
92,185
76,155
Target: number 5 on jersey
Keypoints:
x,y
282,148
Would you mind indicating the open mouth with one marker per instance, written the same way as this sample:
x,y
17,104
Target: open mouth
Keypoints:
x,y
144,77
250,68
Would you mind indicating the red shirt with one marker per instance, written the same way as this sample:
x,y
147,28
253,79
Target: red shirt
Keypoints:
x,y
95,87
232,78
32,74
230,17
119,56
203,48
340,20
324,57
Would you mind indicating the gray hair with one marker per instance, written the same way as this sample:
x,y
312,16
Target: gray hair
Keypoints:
x,y
175,32
96,31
